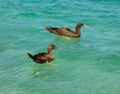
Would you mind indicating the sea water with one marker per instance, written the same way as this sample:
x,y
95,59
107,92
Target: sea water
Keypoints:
x,y
86,65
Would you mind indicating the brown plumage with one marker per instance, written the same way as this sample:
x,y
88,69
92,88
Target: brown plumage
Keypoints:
x,y
44,57
63,31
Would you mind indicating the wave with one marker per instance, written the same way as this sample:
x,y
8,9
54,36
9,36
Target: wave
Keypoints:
x,y
31,15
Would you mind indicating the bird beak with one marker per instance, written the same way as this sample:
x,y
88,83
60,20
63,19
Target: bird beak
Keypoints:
x,y
55,47
85,26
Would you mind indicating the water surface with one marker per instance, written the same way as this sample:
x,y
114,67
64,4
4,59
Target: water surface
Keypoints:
x,y
87,65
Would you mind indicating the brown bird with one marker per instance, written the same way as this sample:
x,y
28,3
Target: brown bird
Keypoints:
x,y
44,57
63,31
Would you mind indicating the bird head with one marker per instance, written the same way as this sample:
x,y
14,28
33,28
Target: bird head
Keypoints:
x,y
52,46
82,25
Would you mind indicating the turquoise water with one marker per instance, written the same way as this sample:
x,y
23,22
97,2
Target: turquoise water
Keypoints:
x,y
87,65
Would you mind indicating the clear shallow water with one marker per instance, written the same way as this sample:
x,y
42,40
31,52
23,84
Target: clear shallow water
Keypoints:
x,y
89,65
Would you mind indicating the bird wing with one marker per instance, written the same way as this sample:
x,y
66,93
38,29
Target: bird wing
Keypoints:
x,y
66,31
63,31
53,30
41,56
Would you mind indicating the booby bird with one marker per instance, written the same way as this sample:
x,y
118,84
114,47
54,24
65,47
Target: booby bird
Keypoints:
x,y
44,57
64,31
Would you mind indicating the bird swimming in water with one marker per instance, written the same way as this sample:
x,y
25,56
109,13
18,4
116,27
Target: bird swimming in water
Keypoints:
x,y
44,57
63,31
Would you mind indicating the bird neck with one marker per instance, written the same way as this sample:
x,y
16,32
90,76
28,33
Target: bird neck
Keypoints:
x,y
50,51
78,31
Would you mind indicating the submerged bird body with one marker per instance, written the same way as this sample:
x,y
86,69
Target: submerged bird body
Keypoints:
x,y
43,57
63,31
